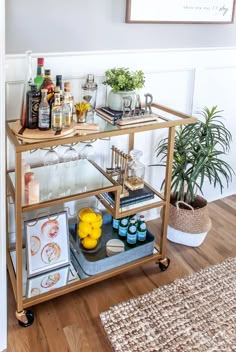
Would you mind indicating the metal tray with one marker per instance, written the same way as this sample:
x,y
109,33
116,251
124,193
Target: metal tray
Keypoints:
x,y
96,262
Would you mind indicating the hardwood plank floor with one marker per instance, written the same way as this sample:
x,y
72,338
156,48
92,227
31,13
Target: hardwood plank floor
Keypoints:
x,y
71,322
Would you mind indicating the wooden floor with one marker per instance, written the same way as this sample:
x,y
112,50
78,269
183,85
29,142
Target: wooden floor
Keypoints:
x,y
71,323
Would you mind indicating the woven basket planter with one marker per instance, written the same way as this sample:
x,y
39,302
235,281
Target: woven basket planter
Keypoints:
x,y
188,226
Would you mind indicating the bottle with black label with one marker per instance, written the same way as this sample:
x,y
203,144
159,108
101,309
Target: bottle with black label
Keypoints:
x,y
123,227
44,112
33,98
142,229
132,233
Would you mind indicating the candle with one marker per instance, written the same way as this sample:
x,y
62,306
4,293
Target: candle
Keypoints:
x,y
29,176
33,191
25,168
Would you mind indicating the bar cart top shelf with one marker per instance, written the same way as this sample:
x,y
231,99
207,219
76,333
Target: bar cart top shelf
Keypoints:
x,y
166,118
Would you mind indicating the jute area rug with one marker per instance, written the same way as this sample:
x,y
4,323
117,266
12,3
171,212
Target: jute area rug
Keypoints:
x,y
196,313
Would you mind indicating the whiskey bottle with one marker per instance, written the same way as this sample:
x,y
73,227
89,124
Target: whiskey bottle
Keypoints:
x,y
44,112
40,73
48,84
56,119
33,98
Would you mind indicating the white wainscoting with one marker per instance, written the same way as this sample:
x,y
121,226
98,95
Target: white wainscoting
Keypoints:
x,y
185,80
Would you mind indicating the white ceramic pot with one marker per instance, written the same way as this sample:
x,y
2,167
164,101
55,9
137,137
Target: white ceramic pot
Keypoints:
x,y
115,99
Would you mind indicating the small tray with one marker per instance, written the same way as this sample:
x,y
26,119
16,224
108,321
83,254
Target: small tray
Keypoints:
x,y
89,264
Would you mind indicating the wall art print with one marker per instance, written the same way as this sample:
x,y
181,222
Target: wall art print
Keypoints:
x,y
47,281
180,11
47,243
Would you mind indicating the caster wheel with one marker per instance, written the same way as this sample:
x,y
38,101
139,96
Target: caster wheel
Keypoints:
x,y
164,264
28,319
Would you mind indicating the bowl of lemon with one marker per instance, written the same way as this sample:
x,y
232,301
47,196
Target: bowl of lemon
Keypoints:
x,y
89,229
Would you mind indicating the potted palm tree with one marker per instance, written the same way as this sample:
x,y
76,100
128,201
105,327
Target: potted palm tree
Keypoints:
x,y
198,152
123,83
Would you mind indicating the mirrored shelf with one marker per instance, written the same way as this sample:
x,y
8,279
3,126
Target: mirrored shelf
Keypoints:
x,y
63,180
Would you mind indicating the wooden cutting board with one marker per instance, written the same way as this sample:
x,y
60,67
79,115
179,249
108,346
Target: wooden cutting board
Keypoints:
x,y
28,135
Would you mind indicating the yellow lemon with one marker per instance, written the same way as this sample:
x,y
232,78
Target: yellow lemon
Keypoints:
x,y
89,243
95,233
82,234
89,217
97,224
99,217
84,211
85,227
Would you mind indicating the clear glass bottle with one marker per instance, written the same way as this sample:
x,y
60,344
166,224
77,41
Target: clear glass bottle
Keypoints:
x,y
67,105
135,171
132,233
141,229
56,119
27,84
40,73
90,92
44,111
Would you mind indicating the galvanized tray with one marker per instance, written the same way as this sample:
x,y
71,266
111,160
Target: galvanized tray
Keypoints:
x,y
88,264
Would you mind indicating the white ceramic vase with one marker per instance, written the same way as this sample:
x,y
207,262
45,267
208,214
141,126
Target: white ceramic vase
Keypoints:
x,y
115,99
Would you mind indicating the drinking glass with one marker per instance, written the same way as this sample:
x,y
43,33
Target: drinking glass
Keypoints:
x,y
87,152
51,161
70,159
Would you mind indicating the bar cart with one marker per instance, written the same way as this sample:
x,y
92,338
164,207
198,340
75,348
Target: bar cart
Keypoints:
x,y
167,118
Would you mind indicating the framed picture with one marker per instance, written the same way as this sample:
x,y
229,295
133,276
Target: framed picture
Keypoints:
x,y
184,11
47,243
47,281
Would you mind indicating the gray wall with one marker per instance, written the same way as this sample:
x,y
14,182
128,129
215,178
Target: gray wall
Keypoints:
x,y
76,25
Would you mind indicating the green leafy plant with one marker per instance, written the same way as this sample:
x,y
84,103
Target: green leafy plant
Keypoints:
x,y
198,151
122,78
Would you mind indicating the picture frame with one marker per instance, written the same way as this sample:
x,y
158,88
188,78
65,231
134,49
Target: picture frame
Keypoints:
x,y
47,243
48,281
185,11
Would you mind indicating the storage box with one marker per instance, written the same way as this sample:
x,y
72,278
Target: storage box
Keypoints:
x,y
93,263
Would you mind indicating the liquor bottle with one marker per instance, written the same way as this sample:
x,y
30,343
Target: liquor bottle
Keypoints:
x,y
132,233
33,98
142,229
44,112
123,227
40,73
27,84
90,92
59,84
48,84
67,105
56,120
68,96
115,224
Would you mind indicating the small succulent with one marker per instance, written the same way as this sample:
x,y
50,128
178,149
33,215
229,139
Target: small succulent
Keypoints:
x,y
122,78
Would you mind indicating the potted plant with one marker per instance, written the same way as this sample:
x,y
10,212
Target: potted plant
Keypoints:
x,y
123,83
198,151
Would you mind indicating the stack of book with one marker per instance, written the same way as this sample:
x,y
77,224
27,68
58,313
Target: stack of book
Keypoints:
x,y
137,196
113,116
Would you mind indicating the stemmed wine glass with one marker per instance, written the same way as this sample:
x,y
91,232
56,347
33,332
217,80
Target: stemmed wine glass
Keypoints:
x,y
87,152
70,159
51,161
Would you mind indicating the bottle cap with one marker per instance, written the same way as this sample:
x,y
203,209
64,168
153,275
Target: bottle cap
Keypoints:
x,y
44,90
47,72
90,84
33,87
40,61
59,77
57,89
